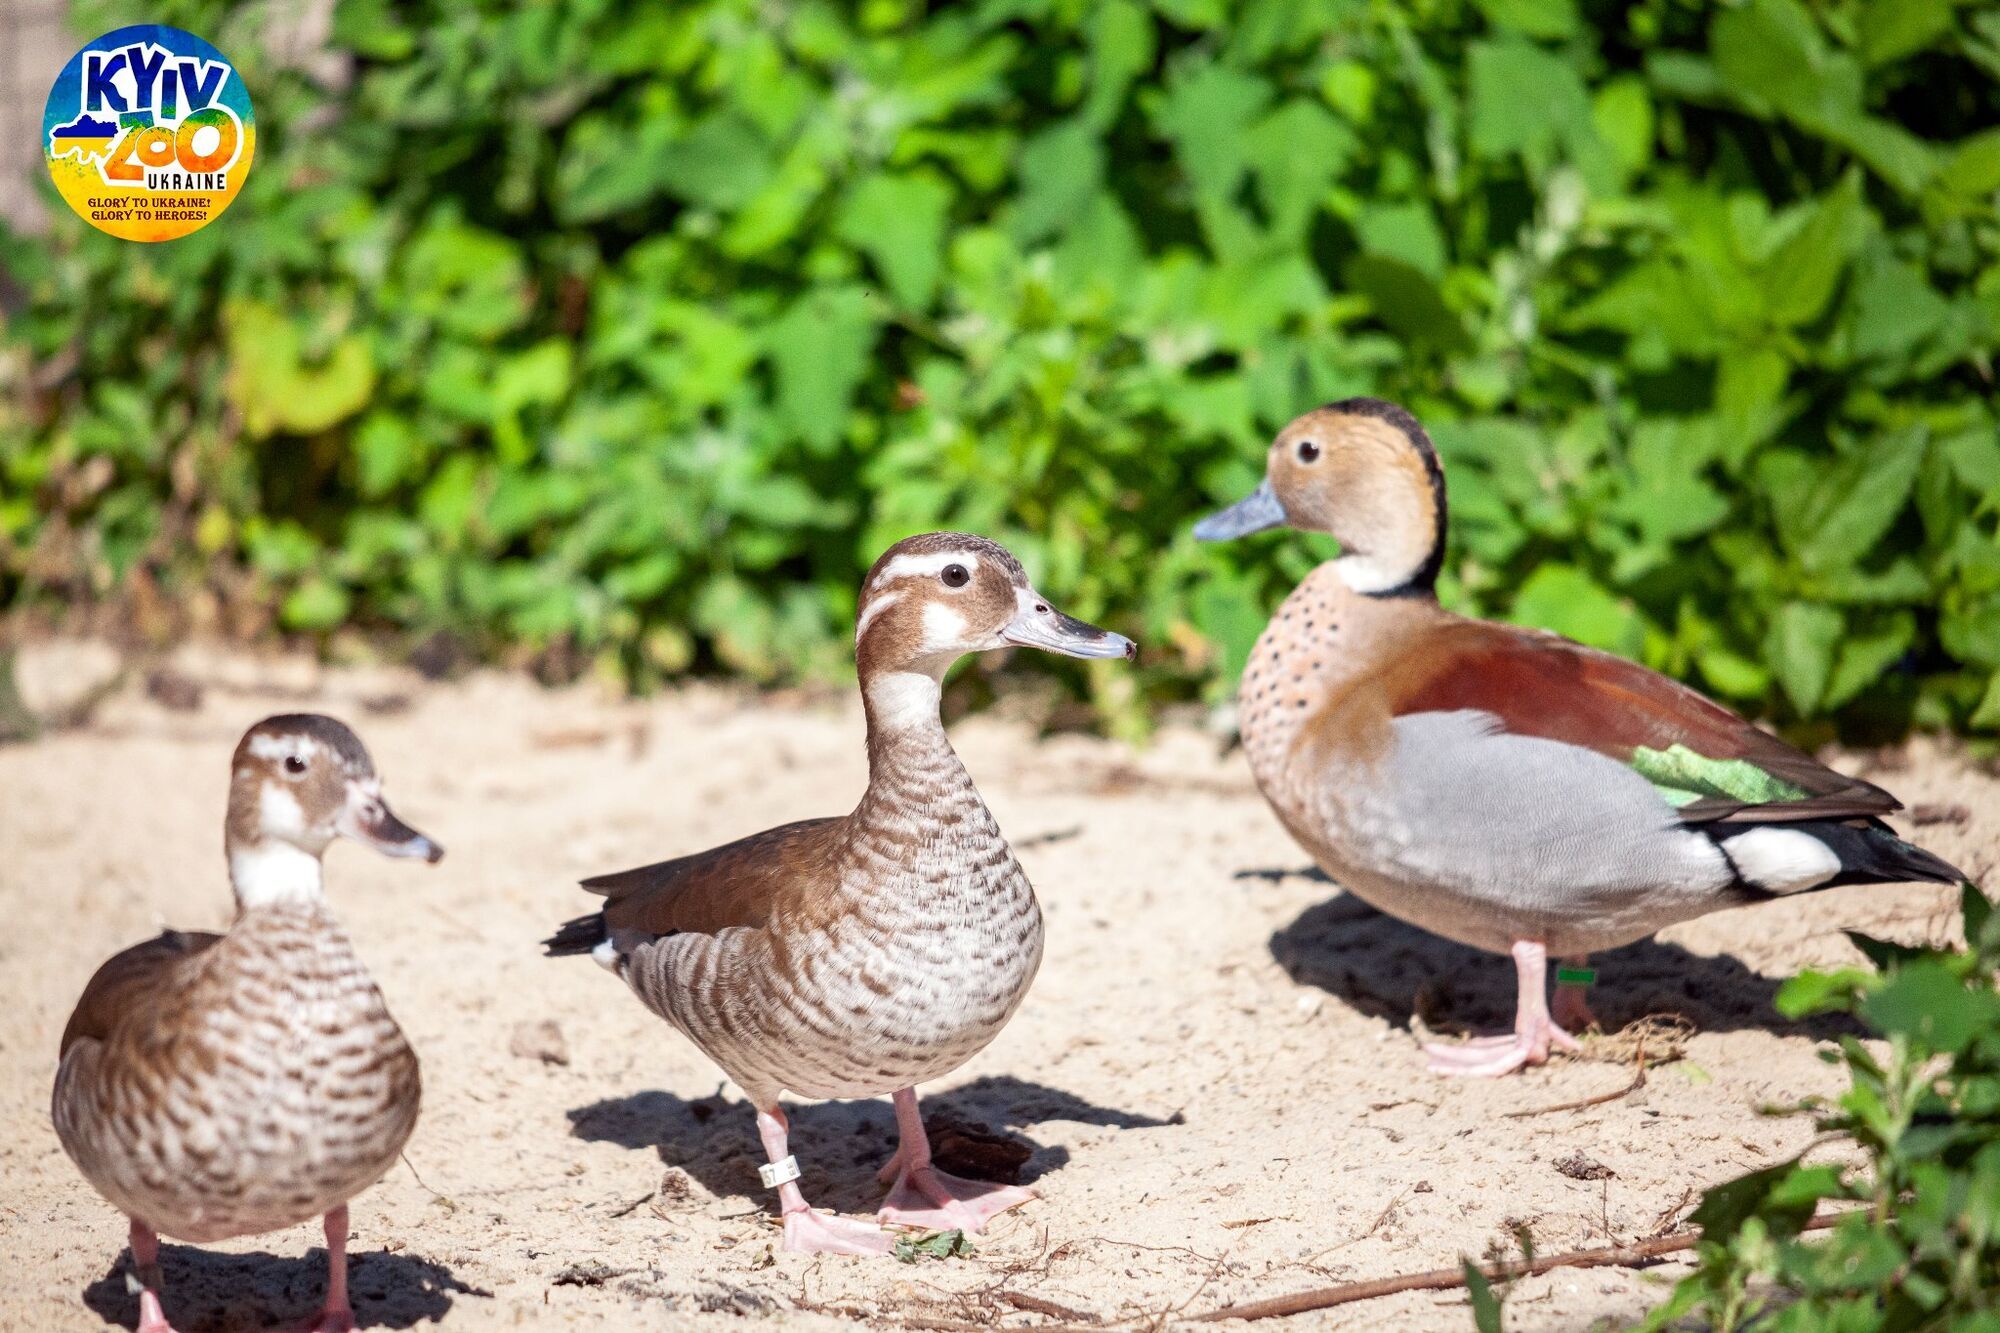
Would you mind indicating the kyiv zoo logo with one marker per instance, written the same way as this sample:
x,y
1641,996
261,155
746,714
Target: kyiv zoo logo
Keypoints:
x,y
148,133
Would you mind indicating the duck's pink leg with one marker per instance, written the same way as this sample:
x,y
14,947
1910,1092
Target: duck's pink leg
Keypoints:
x,y
1571,1009
146,1276
926,1197
807,1231
335,1315
1534,1030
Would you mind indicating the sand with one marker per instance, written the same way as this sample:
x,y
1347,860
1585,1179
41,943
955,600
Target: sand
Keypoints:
x,y
1216,1073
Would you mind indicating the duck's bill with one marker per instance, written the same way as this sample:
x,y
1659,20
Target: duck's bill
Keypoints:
x,y
1253,513
369,820
1040,625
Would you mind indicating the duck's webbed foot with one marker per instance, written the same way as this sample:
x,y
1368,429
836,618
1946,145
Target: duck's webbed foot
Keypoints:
x,y
933,1200
1535,1030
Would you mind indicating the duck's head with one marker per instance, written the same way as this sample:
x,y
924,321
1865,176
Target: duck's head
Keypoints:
x,y
297,782
1364,471
933,598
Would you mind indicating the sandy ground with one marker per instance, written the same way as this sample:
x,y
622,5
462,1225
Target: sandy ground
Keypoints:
x,y
1217,1070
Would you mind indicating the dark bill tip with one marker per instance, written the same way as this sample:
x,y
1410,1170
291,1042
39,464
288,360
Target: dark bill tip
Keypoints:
x,y
1052,631
1253,513
390,836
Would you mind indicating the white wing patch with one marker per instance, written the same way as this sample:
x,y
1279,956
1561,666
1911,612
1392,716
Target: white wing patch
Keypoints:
x,y
1782,860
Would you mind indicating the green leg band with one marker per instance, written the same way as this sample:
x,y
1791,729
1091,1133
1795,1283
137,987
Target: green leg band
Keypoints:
x,y
1576,976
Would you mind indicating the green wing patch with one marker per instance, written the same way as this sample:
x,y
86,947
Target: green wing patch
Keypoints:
x,y
1682,776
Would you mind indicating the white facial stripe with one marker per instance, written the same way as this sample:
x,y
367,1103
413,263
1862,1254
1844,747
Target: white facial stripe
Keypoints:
x,y
881,603
932,564
944,628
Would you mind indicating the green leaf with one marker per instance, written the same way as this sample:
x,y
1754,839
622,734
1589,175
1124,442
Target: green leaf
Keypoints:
x,y
1812,992
1929,1003
1568,601
933,1245
1853,505
1485,1305
1726,1207
1800,646
898,221
1885,954
1061,168
1892,29
820,348
1865,655
1799,278
316,604
1552,19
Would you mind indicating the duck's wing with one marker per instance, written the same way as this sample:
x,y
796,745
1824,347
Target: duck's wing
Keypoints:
x,y
1705,760
140,980
737,884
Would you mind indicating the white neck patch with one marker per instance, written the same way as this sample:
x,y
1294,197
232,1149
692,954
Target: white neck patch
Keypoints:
x,y
901,700
1367,574
274,872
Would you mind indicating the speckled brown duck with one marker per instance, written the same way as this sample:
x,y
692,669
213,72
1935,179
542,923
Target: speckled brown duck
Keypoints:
x,y
874,951
225,1085
1505,787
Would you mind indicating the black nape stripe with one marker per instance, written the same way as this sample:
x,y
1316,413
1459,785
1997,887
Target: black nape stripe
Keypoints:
x,y
1423,583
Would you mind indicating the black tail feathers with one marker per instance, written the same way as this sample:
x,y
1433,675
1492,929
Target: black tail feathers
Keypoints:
x,y
1855,851
581,935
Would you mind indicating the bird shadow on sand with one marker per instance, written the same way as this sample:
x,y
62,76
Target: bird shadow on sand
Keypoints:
x,y
840,1145
211,1292
1390,969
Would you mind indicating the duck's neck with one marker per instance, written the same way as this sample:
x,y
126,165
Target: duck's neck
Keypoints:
x,y
911,765
272,873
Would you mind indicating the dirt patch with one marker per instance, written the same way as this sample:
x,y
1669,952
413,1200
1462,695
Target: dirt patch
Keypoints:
x,y
1214,1084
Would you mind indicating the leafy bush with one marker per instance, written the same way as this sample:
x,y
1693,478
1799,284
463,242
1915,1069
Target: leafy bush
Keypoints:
x,y
1924,1251
633,331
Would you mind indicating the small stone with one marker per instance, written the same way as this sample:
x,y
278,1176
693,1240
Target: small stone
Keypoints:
x,y
1578,1167
541,1040
172,690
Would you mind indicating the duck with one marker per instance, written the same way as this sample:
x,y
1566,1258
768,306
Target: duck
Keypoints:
x,y
866,953
218,1085
1505,787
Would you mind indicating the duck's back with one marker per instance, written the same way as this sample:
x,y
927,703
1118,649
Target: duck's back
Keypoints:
x,y
216,1086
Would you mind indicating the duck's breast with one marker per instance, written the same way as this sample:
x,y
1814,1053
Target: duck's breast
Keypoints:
x,y
280,1089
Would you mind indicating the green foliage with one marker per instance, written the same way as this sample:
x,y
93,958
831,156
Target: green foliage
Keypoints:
x,y
1919,1244
913,1249
635,331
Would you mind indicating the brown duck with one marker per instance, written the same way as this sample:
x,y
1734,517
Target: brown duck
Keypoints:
x,y
872,952
225,1085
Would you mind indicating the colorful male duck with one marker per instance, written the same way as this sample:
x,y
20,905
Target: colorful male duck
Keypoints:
x,y
868,953
225,1085
1503,787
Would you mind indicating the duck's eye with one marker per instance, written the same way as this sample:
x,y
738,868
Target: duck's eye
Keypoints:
x,y
1308,451
294,764
955,576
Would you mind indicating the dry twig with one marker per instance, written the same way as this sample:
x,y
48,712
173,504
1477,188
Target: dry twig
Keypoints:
x,y
1636,1254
